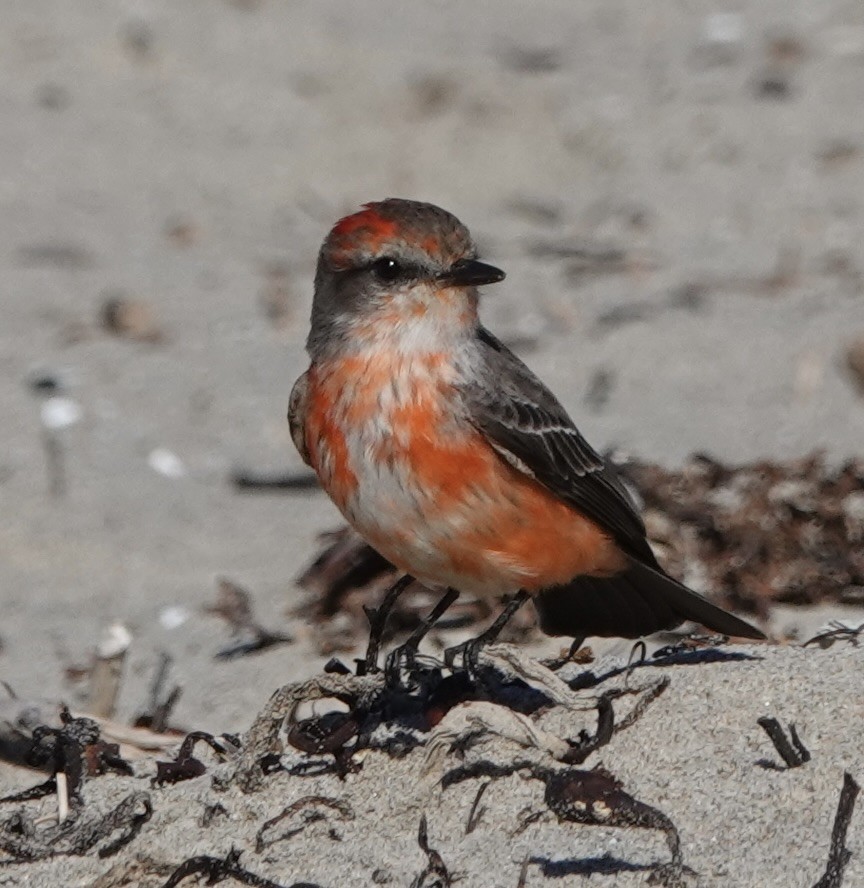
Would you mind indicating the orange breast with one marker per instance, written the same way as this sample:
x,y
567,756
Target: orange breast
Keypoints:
x,y
427,490
518,533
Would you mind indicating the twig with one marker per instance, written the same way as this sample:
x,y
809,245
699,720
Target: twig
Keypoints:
x,y
836,631
795,753
435,867
839,854
160,705
343,809
62,796
248,480
476,812
523,872
106,675
55,463
217,870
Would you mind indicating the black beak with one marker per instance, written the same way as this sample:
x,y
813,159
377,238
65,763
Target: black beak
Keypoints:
x,y
471,273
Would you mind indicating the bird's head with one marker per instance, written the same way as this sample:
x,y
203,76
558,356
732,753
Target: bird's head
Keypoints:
x,y
399,269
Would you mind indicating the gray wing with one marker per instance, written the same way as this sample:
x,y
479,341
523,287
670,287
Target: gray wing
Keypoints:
x,y
297,416
523,420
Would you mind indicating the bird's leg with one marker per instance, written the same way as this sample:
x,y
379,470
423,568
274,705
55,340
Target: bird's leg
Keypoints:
x,y
470,649
404,656
377,617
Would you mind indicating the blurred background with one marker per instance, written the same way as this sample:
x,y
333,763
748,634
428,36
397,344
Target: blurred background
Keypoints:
x,y
675,190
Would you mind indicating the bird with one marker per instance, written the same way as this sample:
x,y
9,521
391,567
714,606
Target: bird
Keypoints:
x,y
449,456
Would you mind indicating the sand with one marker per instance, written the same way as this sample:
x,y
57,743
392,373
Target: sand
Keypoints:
x,y
674,192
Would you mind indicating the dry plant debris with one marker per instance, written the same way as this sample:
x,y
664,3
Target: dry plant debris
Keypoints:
x,y
839,855
219,869
74,751
22,838
185,766
502,695
71,753
435,874
793,753
159,704
594,798
453,710
837,631
762,533
310,807
130,318
234,605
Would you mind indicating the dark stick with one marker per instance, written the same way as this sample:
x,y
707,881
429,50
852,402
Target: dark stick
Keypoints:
x,y
794,755
246,480
55,463
435,866
217,870
523,873
474,814
839,855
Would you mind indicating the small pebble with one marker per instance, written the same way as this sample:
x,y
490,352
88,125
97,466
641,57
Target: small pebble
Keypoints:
x,y
166,463
60,413
130,319
173,616
115,641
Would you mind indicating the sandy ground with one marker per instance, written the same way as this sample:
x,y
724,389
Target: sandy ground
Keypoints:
x,y
675,193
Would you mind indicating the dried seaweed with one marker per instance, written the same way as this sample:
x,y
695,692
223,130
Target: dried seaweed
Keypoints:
x,y
435,874
840,855
594,798
234,605
75,750
791,750
218,869
310,806
185,766
23,840
761,533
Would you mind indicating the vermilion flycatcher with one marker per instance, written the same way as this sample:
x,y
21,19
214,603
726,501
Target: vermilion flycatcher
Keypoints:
x,y
449,456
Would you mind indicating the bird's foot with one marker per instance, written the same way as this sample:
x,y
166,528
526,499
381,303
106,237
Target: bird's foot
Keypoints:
x,y
402,661
378,617
470,650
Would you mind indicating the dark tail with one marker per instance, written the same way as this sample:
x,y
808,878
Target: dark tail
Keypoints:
x,y
637,602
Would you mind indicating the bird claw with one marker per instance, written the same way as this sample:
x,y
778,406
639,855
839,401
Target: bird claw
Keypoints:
x,y
470,650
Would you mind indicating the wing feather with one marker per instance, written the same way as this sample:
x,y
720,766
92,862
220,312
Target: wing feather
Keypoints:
x,y
297,416
524,421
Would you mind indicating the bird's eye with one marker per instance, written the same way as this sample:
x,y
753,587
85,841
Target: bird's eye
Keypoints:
x,y
387,269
